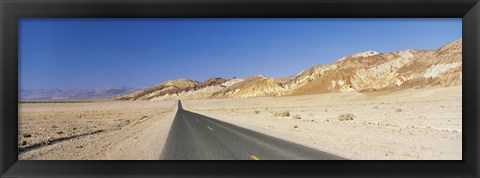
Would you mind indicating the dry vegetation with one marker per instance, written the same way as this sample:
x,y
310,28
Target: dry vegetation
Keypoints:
x,y
282,114
346,117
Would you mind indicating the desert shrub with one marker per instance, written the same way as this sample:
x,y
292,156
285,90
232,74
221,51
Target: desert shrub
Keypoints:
x,y
282,114
256,112
296,116
346,117
375,107
295,126
398,109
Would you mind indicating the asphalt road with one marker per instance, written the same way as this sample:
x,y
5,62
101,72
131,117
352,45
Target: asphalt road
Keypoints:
x,y
197,137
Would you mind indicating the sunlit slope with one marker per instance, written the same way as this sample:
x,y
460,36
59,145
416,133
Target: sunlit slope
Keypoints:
x,y
368,71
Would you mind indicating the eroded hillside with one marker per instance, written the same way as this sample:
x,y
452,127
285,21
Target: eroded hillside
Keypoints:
x,y
368,71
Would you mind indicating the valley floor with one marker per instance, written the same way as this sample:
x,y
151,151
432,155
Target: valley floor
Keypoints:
x,y
109,130
421,124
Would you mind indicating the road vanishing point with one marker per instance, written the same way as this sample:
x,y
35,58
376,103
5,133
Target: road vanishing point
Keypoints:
x,y
198,137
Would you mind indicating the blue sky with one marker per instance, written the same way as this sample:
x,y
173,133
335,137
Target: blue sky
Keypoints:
x,y
102,53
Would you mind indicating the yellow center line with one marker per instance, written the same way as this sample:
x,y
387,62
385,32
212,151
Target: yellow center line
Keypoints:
x,y
210,128
254,157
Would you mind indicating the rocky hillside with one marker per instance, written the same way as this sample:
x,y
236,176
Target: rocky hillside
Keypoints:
x,y
164,89
368,71
374,71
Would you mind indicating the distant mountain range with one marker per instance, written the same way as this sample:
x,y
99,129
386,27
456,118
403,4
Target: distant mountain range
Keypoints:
x,y
368,71
56,94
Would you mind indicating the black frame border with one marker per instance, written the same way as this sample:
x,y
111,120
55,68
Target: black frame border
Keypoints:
x,y
12,10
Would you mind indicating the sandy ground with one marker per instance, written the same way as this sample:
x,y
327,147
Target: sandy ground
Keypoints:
x,y
118,130
423,124
409,124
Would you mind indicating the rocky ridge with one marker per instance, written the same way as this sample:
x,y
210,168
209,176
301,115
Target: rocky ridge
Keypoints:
x,y
368,71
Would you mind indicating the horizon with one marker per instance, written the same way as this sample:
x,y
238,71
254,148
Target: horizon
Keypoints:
x,y
81,54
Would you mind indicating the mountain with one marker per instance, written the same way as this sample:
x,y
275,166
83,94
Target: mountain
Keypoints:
x,y
368,71
396,70
56,94
253,86
164,89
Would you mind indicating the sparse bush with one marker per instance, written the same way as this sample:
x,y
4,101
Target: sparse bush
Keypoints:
x,y
256,112
346,117
398,109
326,110
295,126
296,116
282,114
375,107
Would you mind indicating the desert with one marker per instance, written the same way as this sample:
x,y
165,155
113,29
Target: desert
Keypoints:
x,y
97,130
418,124
403,105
